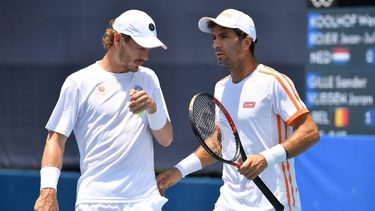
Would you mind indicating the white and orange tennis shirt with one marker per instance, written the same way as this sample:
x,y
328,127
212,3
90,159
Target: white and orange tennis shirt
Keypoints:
x,y
262,106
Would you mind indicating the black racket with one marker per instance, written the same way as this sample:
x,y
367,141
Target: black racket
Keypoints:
x,y
214,128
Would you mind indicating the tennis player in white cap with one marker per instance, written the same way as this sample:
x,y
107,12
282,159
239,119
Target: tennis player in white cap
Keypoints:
x,y
272,121
114,107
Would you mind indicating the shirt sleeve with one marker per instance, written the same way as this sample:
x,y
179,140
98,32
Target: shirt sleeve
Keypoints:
x,y
286,100
64,115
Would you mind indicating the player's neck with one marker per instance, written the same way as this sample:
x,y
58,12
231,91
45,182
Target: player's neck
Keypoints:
x,y
242,69
108,64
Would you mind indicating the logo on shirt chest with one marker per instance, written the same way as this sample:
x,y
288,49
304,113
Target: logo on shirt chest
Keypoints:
x,y
100,89
249,104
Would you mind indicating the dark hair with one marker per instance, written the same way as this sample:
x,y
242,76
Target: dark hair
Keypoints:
x,y
241,34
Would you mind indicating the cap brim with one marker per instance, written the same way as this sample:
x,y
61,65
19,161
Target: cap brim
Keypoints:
x,y
202,24
149,42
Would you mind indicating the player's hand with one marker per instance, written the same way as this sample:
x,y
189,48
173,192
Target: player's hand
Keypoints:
x,y
167,179
47,200
141,101
253,166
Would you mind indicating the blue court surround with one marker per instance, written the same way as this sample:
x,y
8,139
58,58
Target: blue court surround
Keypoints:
x,y
338,174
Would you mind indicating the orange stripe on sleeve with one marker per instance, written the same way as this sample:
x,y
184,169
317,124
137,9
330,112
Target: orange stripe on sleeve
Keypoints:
x,y
295,115
290,95
294,91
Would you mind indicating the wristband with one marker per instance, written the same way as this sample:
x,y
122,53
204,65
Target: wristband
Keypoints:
x,y
274,155
49,176
156,120
189,165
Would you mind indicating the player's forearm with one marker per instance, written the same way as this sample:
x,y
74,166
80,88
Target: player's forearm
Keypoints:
x,y
303,137
205,158
160,125
54,150
194,162
164,136
51,162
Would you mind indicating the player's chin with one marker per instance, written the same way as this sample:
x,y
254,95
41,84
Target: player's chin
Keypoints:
x,y
135,68
223,63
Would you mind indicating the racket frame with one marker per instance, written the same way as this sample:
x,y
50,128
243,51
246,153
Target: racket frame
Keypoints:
x,y
200,139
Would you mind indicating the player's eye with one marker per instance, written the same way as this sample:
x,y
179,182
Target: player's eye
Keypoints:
x,y
223,36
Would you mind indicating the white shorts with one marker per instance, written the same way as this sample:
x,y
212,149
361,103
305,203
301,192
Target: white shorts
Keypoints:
x,y
151,204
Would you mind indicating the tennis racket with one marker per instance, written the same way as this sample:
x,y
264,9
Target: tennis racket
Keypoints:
x,y
217,133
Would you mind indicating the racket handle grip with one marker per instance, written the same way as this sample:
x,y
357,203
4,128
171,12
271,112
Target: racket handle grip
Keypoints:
x,y
268,194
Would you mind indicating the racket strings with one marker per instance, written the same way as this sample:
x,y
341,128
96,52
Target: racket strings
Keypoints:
x,y
214,128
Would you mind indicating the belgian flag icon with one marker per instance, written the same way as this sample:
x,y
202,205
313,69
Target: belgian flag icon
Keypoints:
x,y
341,117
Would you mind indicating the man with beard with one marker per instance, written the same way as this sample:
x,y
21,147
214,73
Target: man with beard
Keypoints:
x,y
114,106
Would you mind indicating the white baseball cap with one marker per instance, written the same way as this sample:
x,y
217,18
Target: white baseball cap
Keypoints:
x,y
230,18
140,27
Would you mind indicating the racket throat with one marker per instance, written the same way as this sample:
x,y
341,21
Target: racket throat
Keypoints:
x,y
236,164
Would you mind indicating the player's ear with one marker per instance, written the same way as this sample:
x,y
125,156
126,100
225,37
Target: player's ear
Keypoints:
x,y
247,42
117,39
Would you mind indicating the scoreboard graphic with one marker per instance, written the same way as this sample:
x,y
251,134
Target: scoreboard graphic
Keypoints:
x,y
340,70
